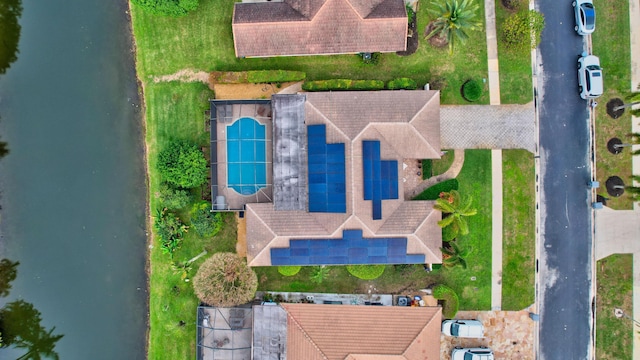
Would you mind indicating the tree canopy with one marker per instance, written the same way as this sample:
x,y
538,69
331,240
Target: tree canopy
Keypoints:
x,y
457,208
182,164
173,8
10,12
453,20
225,280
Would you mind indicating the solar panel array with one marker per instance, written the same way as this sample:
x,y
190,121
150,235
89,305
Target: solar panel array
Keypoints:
x,y
380,177
351,249
327,179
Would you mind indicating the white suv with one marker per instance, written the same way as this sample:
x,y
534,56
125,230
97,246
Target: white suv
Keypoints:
x,y
590,81
472,354
585,15
463,328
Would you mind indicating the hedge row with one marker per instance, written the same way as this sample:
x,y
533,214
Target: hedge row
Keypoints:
x,y
450,298
433,192
402,83
342,84
427,168
366,272
256,76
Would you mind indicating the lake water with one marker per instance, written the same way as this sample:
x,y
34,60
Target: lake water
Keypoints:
x,y
72,187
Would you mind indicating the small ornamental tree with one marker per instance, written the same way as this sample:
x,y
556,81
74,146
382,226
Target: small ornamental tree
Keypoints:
x,y
173,198
203,221
456,208
522,30
182,164
225,280
173,8
454,20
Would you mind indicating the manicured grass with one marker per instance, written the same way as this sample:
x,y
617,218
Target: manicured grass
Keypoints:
x,y
514,65
611,44
614,336
203,41
440,166
518,229
175,110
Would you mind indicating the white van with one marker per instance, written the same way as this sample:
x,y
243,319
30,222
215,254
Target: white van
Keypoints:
x,y
463,328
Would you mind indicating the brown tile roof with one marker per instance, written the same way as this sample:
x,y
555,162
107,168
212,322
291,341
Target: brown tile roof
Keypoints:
x,y
362,332
408,127
313,27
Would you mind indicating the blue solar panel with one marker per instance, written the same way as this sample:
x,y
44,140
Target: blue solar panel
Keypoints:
x,y
352,248
380,177
327,179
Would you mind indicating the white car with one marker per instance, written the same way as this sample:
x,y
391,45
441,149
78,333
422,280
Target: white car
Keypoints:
x,y
585,15
590,81
463,328
472,354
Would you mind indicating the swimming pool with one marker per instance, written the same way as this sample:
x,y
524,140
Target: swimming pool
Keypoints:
x,y
246,156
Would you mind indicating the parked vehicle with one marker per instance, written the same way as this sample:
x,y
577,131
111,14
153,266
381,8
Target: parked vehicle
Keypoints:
x,y
472,354
585,15
463,328
590,81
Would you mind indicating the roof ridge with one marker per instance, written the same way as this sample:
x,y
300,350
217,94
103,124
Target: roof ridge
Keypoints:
x,y
426,104
354,9
306,335
421,331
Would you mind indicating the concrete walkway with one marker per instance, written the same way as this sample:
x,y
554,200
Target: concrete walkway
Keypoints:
x,y
451,173
496,160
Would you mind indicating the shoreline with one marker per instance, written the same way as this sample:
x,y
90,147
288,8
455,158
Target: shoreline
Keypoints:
x,y
145,160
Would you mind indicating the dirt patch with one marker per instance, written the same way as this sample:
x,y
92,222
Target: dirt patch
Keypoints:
x,y
436,40
184,75
247,91
412,39
241,245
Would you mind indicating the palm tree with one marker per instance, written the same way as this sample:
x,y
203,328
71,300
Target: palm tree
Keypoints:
x,y
184,267
453,20
457,208
634,191
453,255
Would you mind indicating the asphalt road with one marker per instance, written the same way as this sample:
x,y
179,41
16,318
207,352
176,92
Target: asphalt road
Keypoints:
x,y
565,259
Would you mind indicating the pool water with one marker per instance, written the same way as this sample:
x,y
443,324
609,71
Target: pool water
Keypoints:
x,y
246,156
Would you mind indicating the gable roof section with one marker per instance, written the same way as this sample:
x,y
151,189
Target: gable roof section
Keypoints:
x,y
362,332
315,27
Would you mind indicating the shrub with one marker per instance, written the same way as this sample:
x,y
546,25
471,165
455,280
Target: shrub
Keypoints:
x,y
173,8
274,76
410,13
170,230
522,30
225,280
433,192
366,272
182,164
402,83
427,168
342,84
449,233
289,270
173,198
471,90
203,221
450,298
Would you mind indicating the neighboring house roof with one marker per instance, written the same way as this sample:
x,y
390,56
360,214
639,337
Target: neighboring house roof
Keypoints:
x,y
362,332
314,27
407,124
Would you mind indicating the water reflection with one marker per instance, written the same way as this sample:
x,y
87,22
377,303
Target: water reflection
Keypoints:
x,y
10,11
20,326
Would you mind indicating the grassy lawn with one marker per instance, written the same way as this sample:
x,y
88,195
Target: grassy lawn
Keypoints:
x,y
518,229
515,66
611,44
203,41
440,166
614,337
475,180
176,110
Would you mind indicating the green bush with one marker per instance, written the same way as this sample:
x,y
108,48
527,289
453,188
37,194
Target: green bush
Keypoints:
x,y
518,28
366,272
427,168
342,84
274,76
450,298
182,164
173,198
402,83
471,90
410,13
449,233
433,192
170,230
203,221
173,8
289,270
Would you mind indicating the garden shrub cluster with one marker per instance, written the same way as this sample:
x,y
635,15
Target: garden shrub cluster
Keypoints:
x,y
450,298
366,272
173,8
471,90
342,84
518,28
289,270
173,198
182,164
402,83
203,221
256,76
170,230
433,192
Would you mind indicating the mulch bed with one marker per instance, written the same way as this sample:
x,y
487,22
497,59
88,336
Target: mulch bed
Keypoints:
x,y
412,39
613,186
611,146
435,41
611,105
